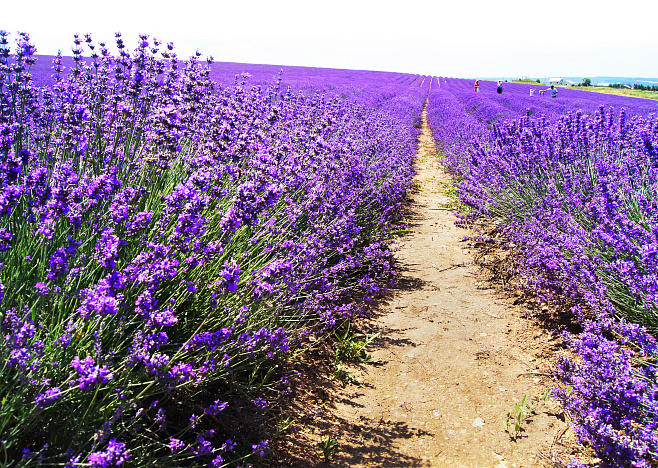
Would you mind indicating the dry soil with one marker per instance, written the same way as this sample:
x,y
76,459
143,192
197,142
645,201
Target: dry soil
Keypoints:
x,y
453,356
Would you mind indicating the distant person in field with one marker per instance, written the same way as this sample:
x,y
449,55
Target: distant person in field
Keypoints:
x,y
477,86
499,89
532,92
553,91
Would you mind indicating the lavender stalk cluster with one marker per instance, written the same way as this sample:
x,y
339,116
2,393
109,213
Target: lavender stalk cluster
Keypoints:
x,y
166,236
572,185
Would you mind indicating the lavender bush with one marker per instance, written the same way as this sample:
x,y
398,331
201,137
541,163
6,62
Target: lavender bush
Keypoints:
x,y
166,238
574,188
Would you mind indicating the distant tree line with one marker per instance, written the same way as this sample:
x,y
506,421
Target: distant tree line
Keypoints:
x,y
588,82
635,86
645,87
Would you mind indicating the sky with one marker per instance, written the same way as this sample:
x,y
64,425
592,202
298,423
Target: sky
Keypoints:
x,y
462,38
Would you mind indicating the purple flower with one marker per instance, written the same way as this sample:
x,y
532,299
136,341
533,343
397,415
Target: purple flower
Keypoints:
x,y
230,275
90,375
228,446
216,408
260,403
146,306
122,204
73,461
59,264
42,289
194,421
107,248
5,237
145,348
268,277
210,341
114,455
259,449
204,447
21,341
183,372
44,399
139,222
161,419
100,301
176,445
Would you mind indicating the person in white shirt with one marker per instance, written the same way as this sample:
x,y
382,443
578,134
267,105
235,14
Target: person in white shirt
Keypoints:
x,y
553,91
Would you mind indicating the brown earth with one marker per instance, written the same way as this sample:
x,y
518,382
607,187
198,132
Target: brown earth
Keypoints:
x,y
454,353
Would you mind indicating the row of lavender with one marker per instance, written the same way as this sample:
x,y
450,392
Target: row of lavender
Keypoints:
x,y
164,240
572,183
331,81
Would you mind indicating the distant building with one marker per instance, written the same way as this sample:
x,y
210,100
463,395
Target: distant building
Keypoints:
x,y
555,81
602,84
569,82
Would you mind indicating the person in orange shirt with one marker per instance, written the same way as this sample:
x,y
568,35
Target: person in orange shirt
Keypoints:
x,y
477,86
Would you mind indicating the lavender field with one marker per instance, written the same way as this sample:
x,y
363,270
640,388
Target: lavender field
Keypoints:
x,y
172,231
571,184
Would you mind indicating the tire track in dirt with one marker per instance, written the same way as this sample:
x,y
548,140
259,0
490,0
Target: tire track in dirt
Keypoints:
x,y
455,356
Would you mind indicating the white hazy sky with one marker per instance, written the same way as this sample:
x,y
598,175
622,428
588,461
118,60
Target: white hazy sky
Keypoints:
x,y
461,38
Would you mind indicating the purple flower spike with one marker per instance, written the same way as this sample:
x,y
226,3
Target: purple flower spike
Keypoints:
x,y
89,374
49,396
216,408
230,275
176,445
260,403
114,455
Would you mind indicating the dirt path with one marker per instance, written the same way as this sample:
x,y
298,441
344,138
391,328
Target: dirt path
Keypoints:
x,y
456,355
